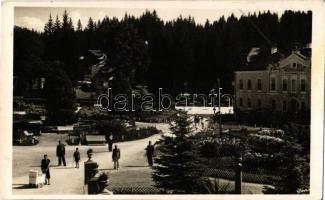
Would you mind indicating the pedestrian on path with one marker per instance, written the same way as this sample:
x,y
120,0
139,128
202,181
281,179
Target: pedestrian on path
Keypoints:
x,y
60,153
45,166
116,155
149,153
76,156
110,142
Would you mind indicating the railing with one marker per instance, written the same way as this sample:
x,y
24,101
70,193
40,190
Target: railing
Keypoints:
x,y
247,177
134,190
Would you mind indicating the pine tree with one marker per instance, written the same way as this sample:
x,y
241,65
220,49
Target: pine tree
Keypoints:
x,y
57,24
90,25
48,28
178,169
79,26
65,21
70,25
98,24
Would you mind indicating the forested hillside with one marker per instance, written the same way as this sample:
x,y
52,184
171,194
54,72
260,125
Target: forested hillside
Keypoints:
x,y
148,50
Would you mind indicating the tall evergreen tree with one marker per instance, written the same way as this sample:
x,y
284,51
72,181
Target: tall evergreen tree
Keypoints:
x,y
70,25
49,26
59,95
57,24
91,25
79,26
65,21
178,169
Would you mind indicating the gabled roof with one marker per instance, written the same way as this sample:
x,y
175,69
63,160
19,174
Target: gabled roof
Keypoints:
x,y
262,63
97,53
274,59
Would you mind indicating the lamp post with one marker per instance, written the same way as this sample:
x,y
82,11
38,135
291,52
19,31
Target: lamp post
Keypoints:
x,y
229,101
219,97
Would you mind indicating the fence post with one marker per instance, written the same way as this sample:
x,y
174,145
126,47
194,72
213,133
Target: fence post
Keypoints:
x,y
238,178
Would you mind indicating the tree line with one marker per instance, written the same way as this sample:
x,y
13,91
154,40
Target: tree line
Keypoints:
x,y
176,55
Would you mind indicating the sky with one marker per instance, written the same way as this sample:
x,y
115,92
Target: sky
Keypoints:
x,y
36,17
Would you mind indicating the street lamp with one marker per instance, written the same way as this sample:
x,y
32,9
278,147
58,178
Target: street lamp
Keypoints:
x,y
219,99
219,95
229,101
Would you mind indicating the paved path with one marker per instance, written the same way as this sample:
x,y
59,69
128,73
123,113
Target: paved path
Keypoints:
x,y
69,180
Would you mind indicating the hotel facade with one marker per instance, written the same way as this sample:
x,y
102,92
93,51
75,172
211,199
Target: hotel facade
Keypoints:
x,y
281,84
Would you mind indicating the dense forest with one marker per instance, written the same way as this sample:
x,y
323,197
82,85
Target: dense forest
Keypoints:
x,y
175,55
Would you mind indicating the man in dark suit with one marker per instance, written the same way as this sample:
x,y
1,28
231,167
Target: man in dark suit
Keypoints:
x,y
149,152
76,156
110,142
60,153
45,166
116,156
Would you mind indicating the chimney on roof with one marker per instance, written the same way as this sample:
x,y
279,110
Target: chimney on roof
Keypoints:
x,y
253,52
274,50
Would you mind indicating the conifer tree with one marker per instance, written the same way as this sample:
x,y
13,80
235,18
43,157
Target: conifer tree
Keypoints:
x,y
48,28
79,26
57,24
90,25
65,21
70,25
178,169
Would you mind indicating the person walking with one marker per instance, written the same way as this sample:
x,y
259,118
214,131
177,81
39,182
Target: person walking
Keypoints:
x,y
45,167
110,142
60,153
149,153
76,156
116,155
202,122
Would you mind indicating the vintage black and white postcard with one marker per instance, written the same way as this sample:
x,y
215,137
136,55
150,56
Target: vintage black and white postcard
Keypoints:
x,y
162,99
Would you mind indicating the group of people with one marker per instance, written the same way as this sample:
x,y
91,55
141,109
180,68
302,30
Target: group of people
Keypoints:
x,y
60,153
116,155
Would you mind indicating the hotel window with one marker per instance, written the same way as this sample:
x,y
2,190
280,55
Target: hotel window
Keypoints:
x,y
293,85
249,103
249,84
303,85
273,84
240,102
105,84
259,103
259,84
284,85
284,106
303,106
241,85
273,104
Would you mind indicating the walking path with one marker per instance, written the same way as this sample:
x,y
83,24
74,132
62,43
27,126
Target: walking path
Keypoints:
x,y
133,166
133,171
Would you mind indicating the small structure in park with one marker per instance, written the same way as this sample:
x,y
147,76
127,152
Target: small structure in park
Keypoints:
x,y
95,139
